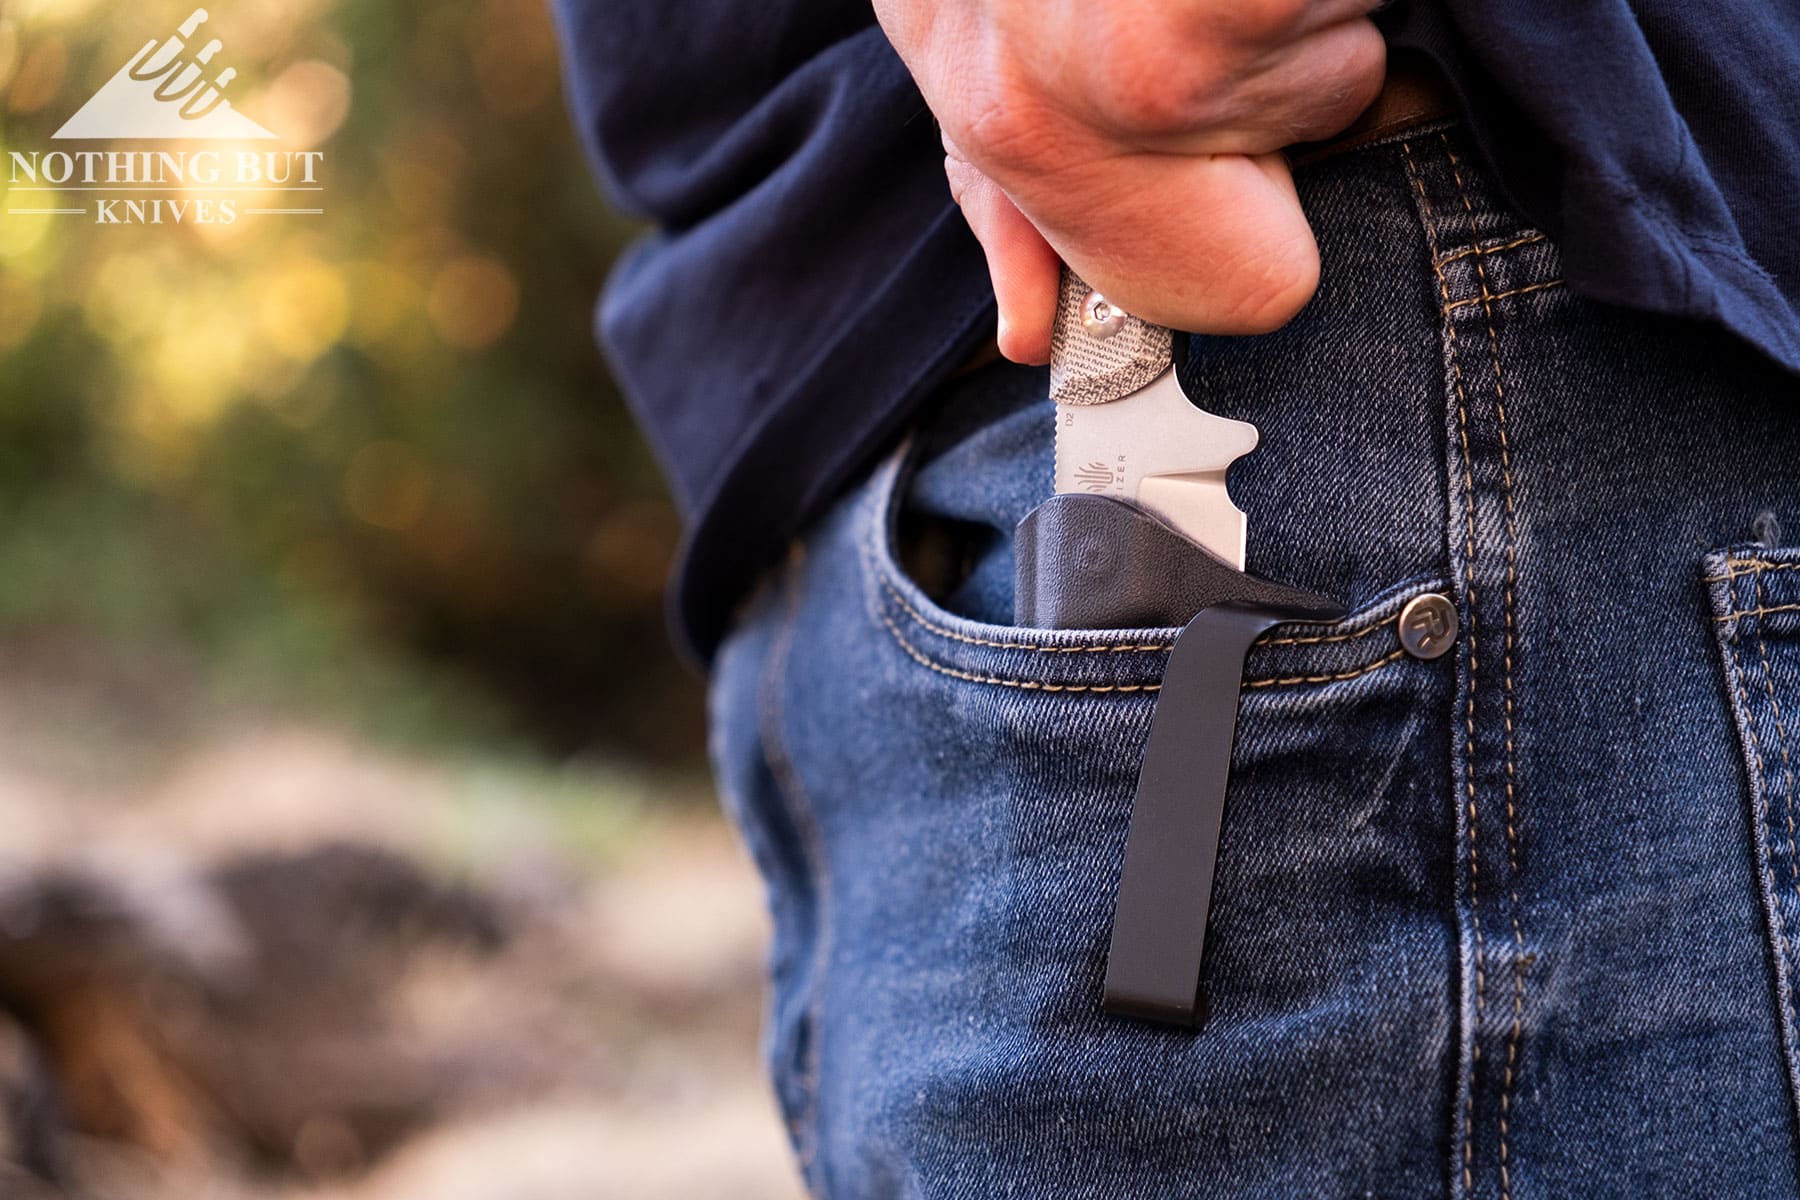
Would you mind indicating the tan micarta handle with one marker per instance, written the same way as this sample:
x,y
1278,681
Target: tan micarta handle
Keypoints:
x,y
1098,353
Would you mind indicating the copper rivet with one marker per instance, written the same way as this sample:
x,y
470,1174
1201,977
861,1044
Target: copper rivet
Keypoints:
x,y
1428,625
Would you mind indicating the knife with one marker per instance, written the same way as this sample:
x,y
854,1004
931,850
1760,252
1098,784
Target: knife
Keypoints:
x,y
1141,532
1124,427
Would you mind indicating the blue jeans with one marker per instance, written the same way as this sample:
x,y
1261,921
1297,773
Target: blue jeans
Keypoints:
x,y
1519,921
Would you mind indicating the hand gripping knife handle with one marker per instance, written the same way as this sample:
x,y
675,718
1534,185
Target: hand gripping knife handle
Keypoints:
x,y
1099,561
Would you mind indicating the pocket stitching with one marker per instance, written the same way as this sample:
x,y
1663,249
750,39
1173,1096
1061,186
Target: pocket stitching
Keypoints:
x,y
1323,638
1108,648
1785,951
1753,739
884,578
1757,566
1387,660
1034,685
1487,298
878,570
1781,734
1759,610
1787,767
1037,685
881,573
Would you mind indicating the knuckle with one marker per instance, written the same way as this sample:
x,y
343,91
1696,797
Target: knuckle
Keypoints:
x,y
1144,101
1366,63
1353,86
1000,130
1262,21
1157,85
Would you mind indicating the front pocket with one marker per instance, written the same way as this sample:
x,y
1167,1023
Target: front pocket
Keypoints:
x,y
1120,661
1755,595
971,783
1332,801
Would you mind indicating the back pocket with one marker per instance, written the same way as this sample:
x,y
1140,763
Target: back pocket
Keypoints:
x,y
1755,596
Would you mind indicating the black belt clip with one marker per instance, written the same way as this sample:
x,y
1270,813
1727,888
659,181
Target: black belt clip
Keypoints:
x,y
1096,562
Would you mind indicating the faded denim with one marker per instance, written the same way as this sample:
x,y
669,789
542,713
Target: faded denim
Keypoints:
x,y
1516,922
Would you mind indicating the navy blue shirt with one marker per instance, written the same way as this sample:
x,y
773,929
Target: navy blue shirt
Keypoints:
x,y
809,280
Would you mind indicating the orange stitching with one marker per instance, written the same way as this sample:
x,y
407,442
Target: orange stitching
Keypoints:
x,y
1753,740
1030,685
1758,611
1332,637
1034,685
1454,255
1488,297
1507,606
871,564
1365,669
1145,647
1462,416
1787,767
1757,566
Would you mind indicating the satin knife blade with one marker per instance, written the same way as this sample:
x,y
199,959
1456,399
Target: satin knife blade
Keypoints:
x,y
1125,428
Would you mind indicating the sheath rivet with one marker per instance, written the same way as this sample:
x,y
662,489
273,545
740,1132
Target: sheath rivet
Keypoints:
x,y
1428,625
1100,317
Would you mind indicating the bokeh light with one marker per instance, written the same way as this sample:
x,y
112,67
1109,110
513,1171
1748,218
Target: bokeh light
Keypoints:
x,y
307,102
406,376
473,301
326,530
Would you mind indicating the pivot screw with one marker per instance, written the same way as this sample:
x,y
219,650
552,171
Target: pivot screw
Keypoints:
x,y
1100,317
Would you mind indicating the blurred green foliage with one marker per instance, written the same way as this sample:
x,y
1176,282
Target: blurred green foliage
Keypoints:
x,y
366,463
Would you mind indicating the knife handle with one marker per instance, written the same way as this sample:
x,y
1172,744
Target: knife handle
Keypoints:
x,y
1098,352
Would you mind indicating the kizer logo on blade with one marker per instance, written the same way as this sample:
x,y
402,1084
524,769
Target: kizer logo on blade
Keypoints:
x,y
1125,428
1095,477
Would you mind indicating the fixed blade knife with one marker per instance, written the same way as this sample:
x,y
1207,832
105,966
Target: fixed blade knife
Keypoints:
x,y
1125,428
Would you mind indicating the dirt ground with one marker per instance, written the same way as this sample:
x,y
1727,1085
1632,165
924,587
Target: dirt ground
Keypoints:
x,y
254,959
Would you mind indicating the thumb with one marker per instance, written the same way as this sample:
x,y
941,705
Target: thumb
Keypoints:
x,y
1207,243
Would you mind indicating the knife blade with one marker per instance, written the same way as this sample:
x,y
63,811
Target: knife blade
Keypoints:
x,y
1125,428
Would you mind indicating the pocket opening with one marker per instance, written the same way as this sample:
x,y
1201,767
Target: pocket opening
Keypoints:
x,y
1101,662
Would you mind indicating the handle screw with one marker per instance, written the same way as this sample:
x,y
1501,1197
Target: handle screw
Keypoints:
x,y
1100,317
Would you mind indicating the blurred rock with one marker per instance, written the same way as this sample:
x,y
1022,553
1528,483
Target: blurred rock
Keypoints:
x,y
339,1023
31,1156
244,1014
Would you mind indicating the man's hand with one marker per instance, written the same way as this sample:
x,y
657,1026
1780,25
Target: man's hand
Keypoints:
x,y
1137,139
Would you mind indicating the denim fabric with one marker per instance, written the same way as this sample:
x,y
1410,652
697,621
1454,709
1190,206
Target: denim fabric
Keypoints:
x,y
1516,922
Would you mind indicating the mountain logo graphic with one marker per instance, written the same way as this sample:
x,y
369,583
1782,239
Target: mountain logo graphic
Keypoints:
x,y
167,90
